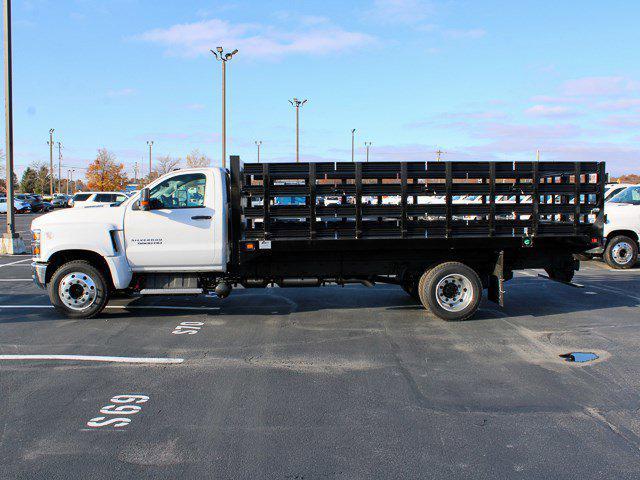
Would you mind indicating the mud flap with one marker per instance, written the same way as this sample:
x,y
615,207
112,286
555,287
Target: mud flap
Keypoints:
x,y
495,291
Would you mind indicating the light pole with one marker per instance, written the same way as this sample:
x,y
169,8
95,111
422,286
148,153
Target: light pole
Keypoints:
x,y
224,58
258,143
11,242
297,104
59,167
73,187
367,146
51,144
353,145
150,143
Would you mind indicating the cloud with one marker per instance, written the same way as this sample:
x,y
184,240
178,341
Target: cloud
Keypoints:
x,y
195,106
400,11
123,92
549,111
474,33
622,122
600,86
622,104
254,40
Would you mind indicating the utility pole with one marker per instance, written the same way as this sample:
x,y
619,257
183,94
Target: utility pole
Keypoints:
x,y
51,144
68,177
224,58
439,154
537,155
59,167
367,146
73,187
297,104
135,172
150,143
258,143
353,145
11,241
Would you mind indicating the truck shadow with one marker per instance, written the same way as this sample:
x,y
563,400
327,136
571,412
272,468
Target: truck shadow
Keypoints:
x,y
526,296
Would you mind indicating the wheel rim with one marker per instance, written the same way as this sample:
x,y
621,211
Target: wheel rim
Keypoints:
x,y
622,253
77,291
454,292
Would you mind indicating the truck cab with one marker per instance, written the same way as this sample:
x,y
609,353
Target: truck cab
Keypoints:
x,y
622,229
80,255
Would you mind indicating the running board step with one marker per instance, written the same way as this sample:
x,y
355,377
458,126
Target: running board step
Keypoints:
x,y
171,291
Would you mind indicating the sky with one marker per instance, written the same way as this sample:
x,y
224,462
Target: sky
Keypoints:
x,y
480,80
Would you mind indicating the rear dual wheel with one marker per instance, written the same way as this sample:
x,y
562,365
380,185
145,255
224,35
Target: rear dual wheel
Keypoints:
x,y
451,291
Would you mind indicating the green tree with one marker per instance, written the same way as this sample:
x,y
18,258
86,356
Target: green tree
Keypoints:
x,y
29,180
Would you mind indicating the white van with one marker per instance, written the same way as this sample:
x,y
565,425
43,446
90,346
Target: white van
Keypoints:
x,y
96,199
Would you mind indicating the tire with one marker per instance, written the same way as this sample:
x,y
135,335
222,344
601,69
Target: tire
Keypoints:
x,y
88,292
621,252
462,296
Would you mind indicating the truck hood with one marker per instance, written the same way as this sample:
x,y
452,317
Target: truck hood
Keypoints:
x,y
107,216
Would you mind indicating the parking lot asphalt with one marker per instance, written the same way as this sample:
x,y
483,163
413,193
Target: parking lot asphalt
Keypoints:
x,y
345,383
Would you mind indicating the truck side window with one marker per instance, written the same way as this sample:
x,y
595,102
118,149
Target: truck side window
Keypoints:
x,y
181,191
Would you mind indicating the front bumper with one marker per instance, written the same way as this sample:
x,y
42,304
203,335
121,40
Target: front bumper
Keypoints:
x,y
39,274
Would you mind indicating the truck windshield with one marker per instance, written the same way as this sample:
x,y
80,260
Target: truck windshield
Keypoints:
x,y
629,195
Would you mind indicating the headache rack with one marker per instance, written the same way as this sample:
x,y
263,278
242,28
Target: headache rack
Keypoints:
x,y
415,200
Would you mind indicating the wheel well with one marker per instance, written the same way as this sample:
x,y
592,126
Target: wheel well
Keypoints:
x,y
627,233
95,259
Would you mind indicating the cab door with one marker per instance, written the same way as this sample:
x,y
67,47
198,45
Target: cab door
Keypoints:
x,y
177,234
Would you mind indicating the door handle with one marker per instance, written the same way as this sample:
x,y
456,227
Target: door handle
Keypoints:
x,y
201,217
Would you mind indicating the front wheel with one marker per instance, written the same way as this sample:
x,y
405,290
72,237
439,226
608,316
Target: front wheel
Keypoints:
x,y
451,290
78,290
621,252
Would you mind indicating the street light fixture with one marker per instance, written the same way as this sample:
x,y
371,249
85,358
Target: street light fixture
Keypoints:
x,y
258,143
223,58
368,146
297,104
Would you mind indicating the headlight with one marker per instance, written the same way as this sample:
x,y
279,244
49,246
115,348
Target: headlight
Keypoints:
x,y
36,242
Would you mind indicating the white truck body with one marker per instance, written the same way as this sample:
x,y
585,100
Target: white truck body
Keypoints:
x,y
132,240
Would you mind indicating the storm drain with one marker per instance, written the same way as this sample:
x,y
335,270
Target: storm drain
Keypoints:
x,y
579,357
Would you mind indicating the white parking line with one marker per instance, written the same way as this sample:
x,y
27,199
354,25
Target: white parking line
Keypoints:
x,y
123,307
92,358
16,279
14,263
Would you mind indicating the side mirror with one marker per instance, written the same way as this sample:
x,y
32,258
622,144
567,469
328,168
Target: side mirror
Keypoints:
x,y
145,205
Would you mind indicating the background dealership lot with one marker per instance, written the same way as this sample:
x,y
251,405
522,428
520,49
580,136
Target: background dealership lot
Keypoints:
x,y
327,383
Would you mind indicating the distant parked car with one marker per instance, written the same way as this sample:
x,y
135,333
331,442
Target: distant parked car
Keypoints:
x,y
60,200
96,199
37,205
19,206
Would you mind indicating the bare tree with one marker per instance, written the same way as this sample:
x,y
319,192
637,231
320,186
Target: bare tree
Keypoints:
x,y
166,164
197,159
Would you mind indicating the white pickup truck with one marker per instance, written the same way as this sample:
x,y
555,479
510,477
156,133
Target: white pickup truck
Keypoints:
x,y
621,229
257,225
